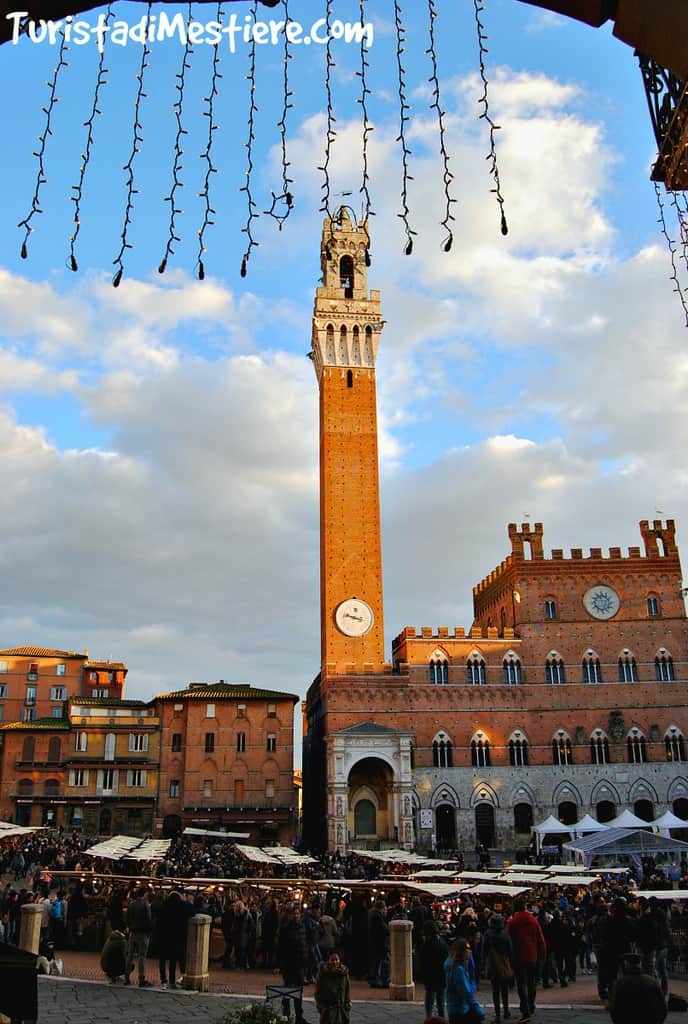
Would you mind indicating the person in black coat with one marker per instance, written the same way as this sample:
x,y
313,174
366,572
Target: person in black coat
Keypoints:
x,y
172,928
498,963
432,953
292,956
378,946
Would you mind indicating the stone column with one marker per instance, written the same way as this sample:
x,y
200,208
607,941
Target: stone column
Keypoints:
x,y
196,976
401,985
30,927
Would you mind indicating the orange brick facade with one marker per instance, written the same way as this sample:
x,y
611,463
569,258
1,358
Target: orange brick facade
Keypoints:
x,y
567,695
227,761
36,681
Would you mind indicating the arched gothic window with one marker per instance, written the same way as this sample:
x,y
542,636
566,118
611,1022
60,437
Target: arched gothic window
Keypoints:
x,y
628,670
442,751
635,745
480,752
562,753
592,670
554,669
550,609
599,748
439,670
675,749
664,668
475,670
518,750
511,667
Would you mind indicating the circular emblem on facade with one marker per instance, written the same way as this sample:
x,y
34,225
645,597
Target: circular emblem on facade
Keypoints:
x,y
601,602
354,617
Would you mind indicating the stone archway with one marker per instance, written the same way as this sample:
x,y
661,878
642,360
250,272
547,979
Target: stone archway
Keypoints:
x,y
371,802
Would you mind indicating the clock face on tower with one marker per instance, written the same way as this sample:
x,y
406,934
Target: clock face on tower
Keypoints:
x,y
353,617
601,602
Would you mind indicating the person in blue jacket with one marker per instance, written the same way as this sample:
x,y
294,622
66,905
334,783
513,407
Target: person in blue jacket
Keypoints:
x,y
462,1006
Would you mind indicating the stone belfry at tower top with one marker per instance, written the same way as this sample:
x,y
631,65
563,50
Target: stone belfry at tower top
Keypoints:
x,y
347,323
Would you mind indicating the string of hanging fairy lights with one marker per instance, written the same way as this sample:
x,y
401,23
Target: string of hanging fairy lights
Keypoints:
x,y
367,130
680,203
404,110
283,203
331,133
436,105
479,9
177,183
207,154
89,124
251,205
136,143
47,131
671,246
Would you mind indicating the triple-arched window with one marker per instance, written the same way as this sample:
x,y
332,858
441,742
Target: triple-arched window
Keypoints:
x,y
675,748
599,748
591,668
664,667
562,753
439,670
635,745
480,752
442,751
475,670
554,669
518,750
511,667
628,670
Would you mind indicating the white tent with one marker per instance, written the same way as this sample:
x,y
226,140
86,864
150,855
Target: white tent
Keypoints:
x,y
588,824
550,827
627,819
667,821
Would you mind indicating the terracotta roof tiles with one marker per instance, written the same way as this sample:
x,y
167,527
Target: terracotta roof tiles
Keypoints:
x,y
225,691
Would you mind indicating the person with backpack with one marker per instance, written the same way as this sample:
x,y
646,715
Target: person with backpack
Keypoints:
x,y
498,963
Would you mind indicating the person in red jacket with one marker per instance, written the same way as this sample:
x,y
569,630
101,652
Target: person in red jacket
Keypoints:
x,y
530,950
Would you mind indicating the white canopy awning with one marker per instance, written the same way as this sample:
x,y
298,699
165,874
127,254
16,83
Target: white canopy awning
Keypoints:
x,y
667,821
627,819
551,826
588,824
207,833
130,848
7,830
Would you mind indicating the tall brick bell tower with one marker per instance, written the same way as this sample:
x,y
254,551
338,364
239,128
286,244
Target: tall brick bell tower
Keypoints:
x,y
356,762
346,329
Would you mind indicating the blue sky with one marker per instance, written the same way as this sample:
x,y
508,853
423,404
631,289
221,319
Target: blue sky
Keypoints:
x,y
160,440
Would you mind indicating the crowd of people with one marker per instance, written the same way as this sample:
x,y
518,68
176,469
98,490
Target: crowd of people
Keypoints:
x,y
527,944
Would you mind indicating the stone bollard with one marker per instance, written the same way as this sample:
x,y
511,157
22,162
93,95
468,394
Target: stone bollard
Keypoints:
x,y
401,985
196,976
30,927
